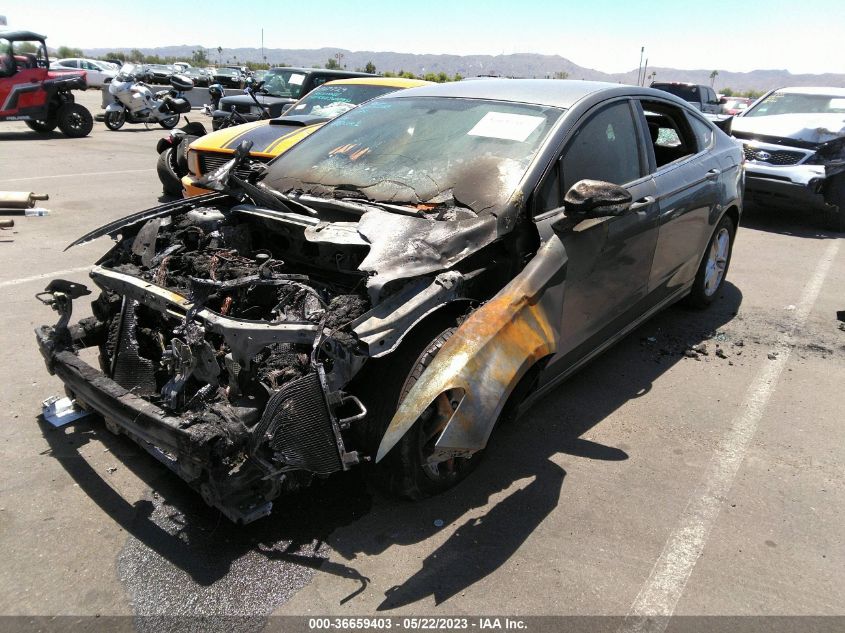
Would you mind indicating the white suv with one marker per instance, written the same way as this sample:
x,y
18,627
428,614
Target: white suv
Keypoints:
x,y
794,144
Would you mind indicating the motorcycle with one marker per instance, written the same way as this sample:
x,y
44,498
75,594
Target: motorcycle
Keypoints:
x,y
227,118
135,102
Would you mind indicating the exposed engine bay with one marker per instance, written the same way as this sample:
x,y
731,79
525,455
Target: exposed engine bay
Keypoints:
x,y
237,329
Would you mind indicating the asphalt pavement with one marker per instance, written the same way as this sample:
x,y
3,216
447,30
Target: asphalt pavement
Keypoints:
x,y
694,469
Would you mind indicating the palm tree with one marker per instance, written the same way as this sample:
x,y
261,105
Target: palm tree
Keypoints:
x,y
713,77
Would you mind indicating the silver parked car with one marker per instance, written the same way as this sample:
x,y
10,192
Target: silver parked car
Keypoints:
x,y
794,144
97,73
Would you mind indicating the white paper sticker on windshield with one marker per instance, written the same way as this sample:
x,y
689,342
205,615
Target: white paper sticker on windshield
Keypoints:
x,y
296,80
507,126
301,106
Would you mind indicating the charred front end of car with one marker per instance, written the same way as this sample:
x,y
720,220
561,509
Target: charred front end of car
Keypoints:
x,y
228,335
227,387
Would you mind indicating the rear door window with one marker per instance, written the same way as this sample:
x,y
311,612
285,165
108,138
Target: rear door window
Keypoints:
x,y
672,137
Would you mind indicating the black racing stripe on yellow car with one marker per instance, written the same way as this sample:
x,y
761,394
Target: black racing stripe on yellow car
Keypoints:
x,y
233,142
289,139
262,137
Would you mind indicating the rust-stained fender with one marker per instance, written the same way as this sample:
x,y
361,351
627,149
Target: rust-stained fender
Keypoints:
x,y
489,354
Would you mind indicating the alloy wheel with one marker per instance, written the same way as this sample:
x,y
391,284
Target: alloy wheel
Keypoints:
x,y
717,260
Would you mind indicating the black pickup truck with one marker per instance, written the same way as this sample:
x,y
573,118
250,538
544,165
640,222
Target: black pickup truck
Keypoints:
x,y
281,87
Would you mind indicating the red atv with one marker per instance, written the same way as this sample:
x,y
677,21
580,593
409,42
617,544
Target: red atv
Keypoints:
x,y
31,92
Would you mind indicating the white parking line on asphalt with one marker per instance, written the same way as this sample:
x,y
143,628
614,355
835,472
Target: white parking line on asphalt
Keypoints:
x,y
90,173
23,280
658,598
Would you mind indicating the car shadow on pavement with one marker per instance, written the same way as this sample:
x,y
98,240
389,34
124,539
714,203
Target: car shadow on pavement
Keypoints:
x,y
528,450
28,135
193,536
517,485
795,222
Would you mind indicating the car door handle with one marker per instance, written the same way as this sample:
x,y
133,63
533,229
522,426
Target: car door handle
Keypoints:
x,y
713,174
642,202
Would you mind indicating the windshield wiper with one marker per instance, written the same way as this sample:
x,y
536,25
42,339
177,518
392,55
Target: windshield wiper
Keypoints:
x,y
225,180
417,213
439,208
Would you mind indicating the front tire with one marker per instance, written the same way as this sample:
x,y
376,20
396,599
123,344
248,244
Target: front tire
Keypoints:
x,y
114,120
714,266
405,471
74,120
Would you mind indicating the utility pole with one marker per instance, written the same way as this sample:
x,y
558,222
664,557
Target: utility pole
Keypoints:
x,y
640,67
263,56
338,57
645,70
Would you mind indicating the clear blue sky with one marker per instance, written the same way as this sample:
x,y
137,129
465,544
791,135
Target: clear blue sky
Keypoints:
x,y
606,35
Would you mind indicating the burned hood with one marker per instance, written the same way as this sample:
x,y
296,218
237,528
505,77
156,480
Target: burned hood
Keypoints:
x,y
117,227
807,130
403,247
397,246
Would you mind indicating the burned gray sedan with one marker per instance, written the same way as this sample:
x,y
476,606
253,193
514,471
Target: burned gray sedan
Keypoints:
x,y
421,267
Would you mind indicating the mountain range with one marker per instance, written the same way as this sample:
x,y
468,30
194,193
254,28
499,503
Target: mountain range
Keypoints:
x,y
514,65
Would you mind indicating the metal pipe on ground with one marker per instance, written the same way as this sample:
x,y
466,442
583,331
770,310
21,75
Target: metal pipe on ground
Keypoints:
x,y
20,199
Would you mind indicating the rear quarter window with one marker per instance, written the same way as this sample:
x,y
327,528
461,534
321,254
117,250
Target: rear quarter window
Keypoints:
x,y
703,132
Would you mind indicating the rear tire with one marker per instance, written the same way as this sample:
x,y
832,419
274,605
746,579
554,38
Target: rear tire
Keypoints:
x,y
172,122
74,120
166,167
115,120
44,126
714,265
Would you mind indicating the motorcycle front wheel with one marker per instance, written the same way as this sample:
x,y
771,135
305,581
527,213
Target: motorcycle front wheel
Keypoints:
x,y
170,123
115,120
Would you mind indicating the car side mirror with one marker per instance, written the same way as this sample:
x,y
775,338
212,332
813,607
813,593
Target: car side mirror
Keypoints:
x,y
596,199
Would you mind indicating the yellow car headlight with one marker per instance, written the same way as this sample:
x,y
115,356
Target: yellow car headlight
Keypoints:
x,y
194,162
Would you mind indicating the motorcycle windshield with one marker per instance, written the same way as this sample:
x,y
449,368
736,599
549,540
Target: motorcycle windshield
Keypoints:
x,y
128,72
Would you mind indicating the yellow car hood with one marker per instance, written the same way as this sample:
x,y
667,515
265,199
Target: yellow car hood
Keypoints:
x,y
269,139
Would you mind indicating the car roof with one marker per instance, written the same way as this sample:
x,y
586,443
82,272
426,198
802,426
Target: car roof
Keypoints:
x,y
558,93
814,90
393,82
324,71
22,35
674,83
